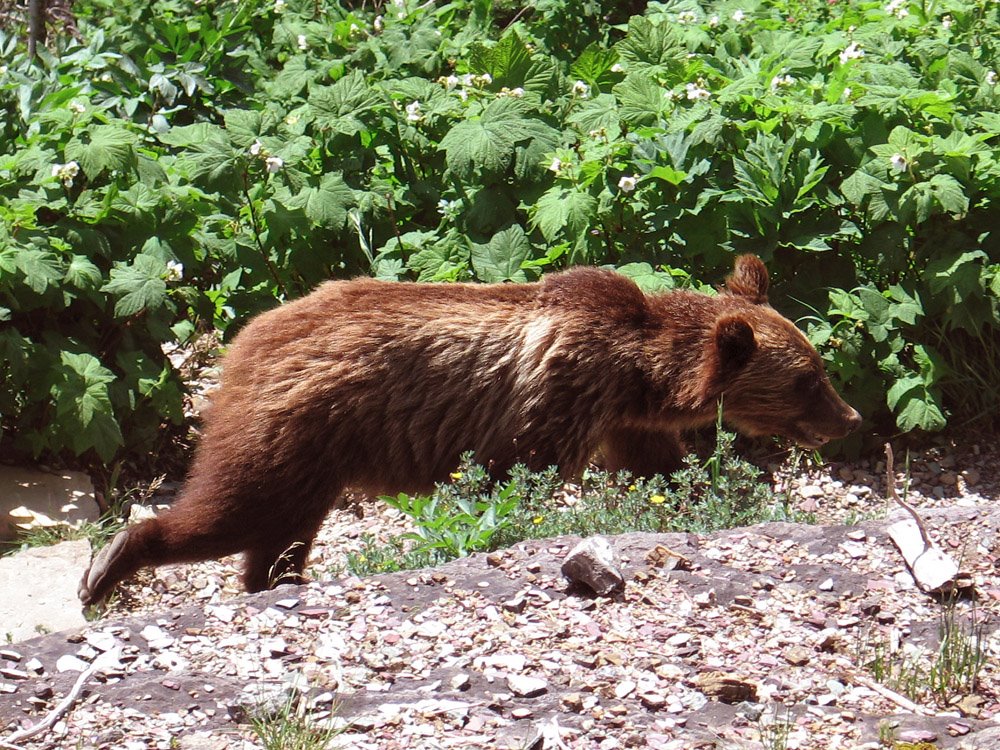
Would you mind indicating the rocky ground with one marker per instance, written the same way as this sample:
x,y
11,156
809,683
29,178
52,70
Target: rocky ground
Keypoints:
x,y
757,638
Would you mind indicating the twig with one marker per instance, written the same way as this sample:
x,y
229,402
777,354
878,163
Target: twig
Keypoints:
x,y
890,481
55,714
849,675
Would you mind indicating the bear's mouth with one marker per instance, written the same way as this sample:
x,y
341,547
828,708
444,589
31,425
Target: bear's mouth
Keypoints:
x,y
806,438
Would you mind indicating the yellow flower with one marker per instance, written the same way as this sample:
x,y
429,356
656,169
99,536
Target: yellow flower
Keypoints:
x,y
657,499
537,520
456,475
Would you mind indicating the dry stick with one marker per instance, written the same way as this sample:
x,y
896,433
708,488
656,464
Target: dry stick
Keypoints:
x,y
848,674
55,714
890,481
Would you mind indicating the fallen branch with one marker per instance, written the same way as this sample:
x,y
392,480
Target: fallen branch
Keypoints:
x,y
848,673
890,482
57,713
933,571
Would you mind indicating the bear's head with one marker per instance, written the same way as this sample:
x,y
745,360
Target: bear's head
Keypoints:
x,y
770,378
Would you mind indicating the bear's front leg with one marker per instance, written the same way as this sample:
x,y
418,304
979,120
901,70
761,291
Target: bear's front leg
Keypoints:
x,y
641,451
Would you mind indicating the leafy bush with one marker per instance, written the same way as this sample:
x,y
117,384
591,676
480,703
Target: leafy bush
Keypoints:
x,y
182,168
473,514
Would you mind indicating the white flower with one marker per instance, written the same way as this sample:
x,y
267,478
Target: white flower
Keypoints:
x,y
255,147
449,208
292,120
946,23
617,68
484,80
273,164
991,78
897,8
105,78
302,43
898,162
66,172
627,183
599,134
556,165
739,16
779,81
413,113
846,93
851,52
686,17
279,6
516,92
77,106
713,21
581,89
175,271
3,70
696,92
379,24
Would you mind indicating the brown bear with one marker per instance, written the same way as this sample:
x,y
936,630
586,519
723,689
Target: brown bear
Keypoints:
x,y
380,387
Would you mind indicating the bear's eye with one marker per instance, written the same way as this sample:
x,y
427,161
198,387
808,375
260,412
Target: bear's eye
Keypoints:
x,y
807,383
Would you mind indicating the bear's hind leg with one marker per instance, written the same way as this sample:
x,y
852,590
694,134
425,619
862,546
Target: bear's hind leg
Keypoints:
x,y
187,532
281,558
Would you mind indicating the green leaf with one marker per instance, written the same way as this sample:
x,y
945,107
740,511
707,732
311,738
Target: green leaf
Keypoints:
x,y
83,407
564,209
642,100
139,285
500,259
646,278
915,405
40,268
83,274
327,203
243,125
102,147
343,106
508,61
668,174
949,194
594,65
650,45
486,144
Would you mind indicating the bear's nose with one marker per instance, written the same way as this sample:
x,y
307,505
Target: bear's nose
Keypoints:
x,y
853,420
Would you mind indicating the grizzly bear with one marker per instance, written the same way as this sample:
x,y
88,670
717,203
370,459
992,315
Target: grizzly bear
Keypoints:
x,y
379,387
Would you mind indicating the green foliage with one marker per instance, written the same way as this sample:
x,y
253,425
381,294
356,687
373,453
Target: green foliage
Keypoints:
x,y
181,167
473,514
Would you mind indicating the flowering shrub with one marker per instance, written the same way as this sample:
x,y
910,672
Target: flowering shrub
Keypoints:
x,y
184,167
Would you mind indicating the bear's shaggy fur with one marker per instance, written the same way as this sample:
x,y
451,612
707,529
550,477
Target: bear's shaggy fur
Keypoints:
x,y
379,387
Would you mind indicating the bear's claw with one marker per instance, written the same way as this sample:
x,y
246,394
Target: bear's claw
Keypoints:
x,y
94,584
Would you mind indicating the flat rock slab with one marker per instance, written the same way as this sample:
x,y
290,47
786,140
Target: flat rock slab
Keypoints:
x,y
63,497
39,590
441,659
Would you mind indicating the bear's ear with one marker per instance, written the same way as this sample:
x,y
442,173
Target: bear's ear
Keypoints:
x,y
749,279
734,343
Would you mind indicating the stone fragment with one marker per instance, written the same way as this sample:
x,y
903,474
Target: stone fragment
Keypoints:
x,y
70,663
527,687
797,656
39,590
593,563
726,688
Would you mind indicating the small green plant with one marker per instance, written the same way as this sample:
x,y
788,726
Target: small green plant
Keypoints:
x,y
472,513
775,730
290,728
940,676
